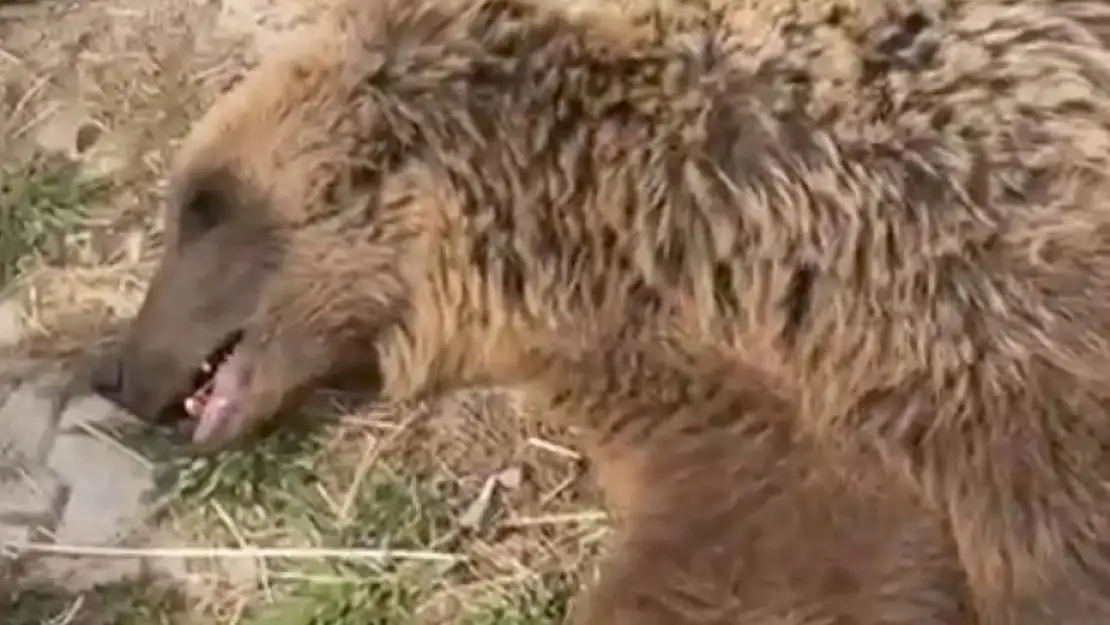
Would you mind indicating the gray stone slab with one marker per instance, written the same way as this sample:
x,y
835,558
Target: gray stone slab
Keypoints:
x,y
32,496
27,422
107,487
90,410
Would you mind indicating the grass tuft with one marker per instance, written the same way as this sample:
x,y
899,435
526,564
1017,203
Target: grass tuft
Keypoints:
x,y
41,202
544,602
309,487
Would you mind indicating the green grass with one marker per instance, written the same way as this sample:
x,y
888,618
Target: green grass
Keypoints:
x,y
544,602
41,201
290,491
296,489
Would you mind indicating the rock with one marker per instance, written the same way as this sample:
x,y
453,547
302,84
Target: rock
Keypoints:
x,y
89,410
67,132
27,422
107,489
30,496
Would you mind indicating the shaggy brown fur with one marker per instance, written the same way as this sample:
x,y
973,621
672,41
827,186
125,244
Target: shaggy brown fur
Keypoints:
x,y
896,211
727,514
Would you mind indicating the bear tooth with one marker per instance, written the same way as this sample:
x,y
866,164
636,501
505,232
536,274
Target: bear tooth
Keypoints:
x,y
206,367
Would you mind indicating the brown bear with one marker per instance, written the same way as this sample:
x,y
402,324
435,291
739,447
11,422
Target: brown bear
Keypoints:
x,y
897,212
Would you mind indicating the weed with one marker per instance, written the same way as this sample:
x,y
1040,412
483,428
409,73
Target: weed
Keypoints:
x,y
41,202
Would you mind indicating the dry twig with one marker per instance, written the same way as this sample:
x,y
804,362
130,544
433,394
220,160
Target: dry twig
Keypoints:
x,y
89,551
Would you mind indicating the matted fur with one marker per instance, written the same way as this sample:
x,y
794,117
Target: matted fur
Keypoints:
x,y
897,213
726,513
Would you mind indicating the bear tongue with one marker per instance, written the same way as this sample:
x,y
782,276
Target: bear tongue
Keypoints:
x,y
222,400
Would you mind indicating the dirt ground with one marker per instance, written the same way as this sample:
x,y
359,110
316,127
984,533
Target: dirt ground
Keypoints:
x,y
494,512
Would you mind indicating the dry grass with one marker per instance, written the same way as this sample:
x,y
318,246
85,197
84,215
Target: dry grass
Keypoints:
x,y
106,88
92,98
390,478
390,494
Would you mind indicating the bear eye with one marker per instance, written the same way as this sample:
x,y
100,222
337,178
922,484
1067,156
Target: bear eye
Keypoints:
x,y
201,212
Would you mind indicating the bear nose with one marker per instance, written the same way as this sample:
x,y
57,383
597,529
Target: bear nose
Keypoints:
x,y
106,378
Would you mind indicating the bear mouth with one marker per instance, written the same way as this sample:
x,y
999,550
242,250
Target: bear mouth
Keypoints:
x,y
217,389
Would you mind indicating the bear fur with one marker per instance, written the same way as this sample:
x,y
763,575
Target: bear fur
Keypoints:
x,y
725,513
896,213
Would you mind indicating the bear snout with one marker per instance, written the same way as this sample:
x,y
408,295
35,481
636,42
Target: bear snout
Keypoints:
x,y
148,388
